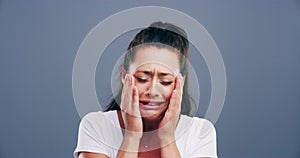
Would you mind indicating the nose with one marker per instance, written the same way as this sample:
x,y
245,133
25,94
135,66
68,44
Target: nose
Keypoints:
x,y
154,90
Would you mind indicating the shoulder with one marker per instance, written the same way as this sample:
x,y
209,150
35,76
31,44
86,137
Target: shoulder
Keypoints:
x,y
204,125
91,117
200,126
98,115
96,133
202,138
98,119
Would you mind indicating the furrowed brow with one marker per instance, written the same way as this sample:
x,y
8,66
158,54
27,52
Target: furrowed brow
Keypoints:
x,y
144,72
151,73
165,74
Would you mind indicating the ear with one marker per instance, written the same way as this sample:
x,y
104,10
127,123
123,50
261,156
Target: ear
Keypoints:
x,y
123,74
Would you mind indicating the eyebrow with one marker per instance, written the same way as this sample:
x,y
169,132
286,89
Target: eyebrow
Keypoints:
x,y
151,73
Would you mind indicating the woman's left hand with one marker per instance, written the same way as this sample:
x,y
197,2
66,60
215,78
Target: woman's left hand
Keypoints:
x,y
168,124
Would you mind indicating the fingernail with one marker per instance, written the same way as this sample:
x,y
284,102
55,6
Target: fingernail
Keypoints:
x,y
126,77
181,76
182,79
130,79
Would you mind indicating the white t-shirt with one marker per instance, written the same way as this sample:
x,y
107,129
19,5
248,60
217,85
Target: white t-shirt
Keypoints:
x,y
100,132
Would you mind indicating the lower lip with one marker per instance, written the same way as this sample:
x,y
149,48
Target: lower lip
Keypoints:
x,y
152,107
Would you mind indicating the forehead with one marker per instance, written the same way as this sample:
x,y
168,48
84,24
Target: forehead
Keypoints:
x,y
151,68
151,57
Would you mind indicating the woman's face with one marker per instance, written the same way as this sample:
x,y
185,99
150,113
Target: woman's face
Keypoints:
x,y
154,70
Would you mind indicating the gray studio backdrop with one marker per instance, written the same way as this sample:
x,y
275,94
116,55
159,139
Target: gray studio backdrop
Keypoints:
x,y
259,42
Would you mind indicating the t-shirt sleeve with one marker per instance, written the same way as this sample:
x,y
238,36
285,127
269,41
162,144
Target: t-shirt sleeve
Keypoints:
x,y
89,139
205,142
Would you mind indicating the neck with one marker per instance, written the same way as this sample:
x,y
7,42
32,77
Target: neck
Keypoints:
x,y
150,124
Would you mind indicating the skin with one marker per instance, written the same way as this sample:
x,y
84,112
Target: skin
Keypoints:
x,y
157,87
146,82
154,71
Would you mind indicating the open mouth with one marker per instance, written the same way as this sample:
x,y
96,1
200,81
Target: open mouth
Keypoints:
x,y
148,104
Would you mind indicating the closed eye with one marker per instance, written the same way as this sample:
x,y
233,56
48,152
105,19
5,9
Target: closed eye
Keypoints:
x,y
166,83
141,80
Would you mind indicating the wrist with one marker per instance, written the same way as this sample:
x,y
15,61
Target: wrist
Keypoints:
x,y
134,136
130,144
167,140
165,150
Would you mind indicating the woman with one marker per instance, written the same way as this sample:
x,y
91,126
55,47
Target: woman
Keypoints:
x,y
152,105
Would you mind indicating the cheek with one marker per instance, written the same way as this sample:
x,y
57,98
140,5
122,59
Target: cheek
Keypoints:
x,y
141,88
168,91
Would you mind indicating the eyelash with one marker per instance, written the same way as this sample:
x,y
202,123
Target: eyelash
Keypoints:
x,y
141,80
145,80
166,83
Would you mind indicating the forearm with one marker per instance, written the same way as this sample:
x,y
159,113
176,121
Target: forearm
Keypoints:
x,y
129,148
170,150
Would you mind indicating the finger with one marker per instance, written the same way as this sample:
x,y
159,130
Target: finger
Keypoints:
x,y
178,91
182,80
135,102
179,82
123,97
126,94
130,90
179,94
173,102
135,98
129,96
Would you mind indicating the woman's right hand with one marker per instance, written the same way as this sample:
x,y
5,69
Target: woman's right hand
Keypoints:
x,y
130,109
